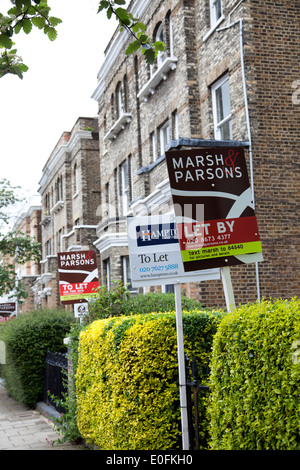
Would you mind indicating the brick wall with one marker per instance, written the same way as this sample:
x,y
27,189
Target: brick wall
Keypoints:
x,y
204,53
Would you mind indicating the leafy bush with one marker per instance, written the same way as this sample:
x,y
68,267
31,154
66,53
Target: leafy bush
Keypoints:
x,y
255,378
27,338
127,378
118,301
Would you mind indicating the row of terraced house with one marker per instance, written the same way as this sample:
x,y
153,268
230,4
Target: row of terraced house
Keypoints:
x,y
230,71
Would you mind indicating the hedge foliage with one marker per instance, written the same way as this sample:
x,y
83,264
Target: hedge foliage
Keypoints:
x,y
127,378
255,378
119,301
27,338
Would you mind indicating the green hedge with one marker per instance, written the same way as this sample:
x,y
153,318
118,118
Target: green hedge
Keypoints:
x,y
127,378
119,301
27,338
255,378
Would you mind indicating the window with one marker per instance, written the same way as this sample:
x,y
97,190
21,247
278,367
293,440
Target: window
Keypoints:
x,y
222,109
164,136
120,107
215,11
48,248
161,36
59,189
175,129
124,188
126,274
60,240
153,147
106,271
75,181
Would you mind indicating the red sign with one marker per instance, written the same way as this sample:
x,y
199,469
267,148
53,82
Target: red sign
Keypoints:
x,y
78,276
213,206
7,307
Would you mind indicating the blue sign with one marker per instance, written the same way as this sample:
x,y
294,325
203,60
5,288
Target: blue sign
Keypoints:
x,y
157,234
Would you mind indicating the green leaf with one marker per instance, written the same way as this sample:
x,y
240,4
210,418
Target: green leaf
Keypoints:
x,y
109,13
149,55
122,14
159,46
5,41
133,47
39,22
54,21
120,2
138,27
27,25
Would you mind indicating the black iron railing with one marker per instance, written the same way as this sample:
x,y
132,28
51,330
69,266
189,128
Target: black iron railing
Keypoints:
x,y
193,389
55,378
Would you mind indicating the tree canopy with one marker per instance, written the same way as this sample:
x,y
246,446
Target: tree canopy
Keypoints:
x,y
26,14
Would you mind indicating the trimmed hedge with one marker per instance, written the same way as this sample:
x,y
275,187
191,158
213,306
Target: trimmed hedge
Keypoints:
x,y
255,378
127,378
27,338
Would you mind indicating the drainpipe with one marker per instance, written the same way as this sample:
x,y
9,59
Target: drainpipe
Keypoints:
x,y
240,22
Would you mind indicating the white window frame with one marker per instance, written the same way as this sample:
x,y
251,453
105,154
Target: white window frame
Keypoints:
x,y
165,136
219,124
125,187
160,36
126,271
153,146
214,17
107,273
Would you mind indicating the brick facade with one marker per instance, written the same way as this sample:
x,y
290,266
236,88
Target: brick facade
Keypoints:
x,y
253,46
29,224
69,189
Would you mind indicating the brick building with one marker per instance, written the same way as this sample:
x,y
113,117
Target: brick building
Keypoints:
x,y
69,189
230,71
29,224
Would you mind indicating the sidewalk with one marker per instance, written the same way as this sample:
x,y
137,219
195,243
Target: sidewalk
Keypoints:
x,y
25,429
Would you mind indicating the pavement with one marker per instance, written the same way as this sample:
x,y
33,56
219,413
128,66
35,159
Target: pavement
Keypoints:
x,y
25,429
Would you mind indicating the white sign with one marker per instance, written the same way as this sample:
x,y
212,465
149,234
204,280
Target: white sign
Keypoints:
x,y
155,257
80,310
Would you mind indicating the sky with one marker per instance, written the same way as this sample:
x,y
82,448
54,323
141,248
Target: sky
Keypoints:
x,y
54,92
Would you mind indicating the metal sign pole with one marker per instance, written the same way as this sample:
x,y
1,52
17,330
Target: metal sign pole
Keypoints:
x,y
228,289
181,368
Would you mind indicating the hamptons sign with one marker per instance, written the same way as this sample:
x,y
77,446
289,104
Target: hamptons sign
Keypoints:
x,y
155,257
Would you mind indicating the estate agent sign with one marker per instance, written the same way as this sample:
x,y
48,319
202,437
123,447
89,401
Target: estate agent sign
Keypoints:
x,y
155,257
7,311
78,276
213,205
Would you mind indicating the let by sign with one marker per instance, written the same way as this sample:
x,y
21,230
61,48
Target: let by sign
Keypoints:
x,y
213,205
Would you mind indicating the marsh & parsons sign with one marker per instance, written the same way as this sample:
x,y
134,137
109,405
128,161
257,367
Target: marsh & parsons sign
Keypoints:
x,y
78,276
213,205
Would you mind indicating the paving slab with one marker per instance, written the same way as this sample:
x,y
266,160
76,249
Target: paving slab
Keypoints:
x,y
25,429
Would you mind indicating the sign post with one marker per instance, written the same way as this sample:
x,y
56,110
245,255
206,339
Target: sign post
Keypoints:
x,y
181,369
155,259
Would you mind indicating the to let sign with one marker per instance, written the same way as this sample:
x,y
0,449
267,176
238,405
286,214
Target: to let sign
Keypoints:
x,y
213,205
78,276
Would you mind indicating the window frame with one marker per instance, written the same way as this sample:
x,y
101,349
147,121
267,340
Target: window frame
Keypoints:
x,y
219,124
213,5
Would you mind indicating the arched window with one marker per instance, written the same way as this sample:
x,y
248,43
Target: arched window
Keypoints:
x,y
120,106
161,36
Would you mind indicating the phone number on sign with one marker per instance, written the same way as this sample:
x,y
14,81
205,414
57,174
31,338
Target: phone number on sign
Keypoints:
x,y
152,269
